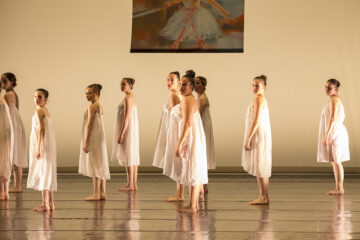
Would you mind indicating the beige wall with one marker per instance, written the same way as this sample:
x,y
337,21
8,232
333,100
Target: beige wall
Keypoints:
x,y
65,45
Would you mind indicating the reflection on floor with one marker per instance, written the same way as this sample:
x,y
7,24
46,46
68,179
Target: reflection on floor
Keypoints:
x,y
299,209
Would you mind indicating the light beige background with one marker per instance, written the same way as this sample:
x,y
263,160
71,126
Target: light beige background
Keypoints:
x,y
64,45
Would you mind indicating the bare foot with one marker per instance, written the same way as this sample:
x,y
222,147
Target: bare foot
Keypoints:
x,y
126,188
260,201
52,207
103,197
2,198
174,198
135,187
336,192
7,197
189,209
41,208
175,45
16,190
92,198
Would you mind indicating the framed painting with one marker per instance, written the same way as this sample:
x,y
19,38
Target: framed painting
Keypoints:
x,y
187,26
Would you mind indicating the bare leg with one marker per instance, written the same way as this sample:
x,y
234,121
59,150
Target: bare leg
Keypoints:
x,y
194,200
45,202
206,190
135,178
339,179
96,190
130,176
2,193
17,180
264,192
6,189
103,189
51,201
179,195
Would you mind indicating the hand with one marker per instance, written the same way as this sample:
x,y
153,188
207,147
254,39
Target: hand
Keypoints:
x,y
38,154
85,149
177,151
121,139
226,14
247,146
325,141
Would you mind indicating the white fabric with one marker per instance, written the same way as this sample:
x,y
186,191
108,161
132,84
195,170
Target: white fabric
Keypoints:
x,y
190,169
161,141
95,163
201,18
210,145
6,142
127,154
257,161
42,171
20,157
338,136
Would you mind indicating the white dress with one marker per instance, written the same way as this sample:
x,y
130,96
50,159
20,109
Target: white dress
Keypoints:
x,y
95,163
127,154
42,172
201,18
257,161
6,142
20,154
161,141
190,169
210,146
339,140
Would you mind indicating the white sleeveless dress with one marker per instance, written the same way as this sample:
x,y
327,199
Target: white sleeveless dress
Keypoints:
x,y
42,172
95,163
258,160
161,141
201,19
191,169
210,145
20,157
6,142
339,140
126,154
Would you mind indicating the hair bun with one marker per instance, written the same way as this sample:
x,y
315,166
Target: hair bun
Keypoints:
x,y
99,86
190,73
263,77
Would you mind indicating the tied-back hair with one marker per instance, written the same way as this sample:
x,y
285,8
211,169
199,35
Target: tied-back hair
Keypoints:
x,y
130,81
96,87
11,77
334,82
262,78
43,91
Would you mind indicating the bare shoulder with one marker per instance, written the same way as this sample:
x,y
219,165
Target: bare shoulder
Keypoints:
x,y
40,113
203,100
174,97
10,96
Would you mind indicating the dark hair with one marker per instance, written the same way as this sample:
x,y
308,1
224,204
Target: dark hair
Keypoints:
x,y
176,73
261,78
191,79
202,80
96,87
334,82
130,81
43,91
190,73
11,77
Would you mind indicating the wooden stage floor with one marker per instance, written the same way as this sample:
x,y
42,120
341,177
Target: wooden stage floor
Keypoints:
x,y
299,209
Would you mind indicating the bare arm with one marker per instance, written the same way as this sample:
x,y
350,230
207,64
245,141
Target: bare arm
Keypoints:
x,y
219,7
187,107
174,100
258,104
127,112
203,103
41,133
333,109
89,126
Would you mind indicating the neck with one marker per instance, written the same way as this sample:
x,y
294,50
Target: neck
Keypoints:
x,y
199,93
9,89
127,92
94,101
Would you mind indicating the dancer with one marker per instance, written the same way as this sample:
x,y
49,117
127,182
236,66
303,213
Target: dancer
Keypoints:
x,y
126,138
93,160
172,82
42,168
6,148
256,156
333,143
203,105
185,154
192,23
19,151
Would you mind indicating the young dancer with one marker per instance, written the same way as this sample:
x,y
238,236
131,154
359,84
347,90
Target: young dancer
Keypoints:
x,y
6,148
42,168
93,160
185,154
203,105
333,143
256,156
192,22
172,83
19,152
126,138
